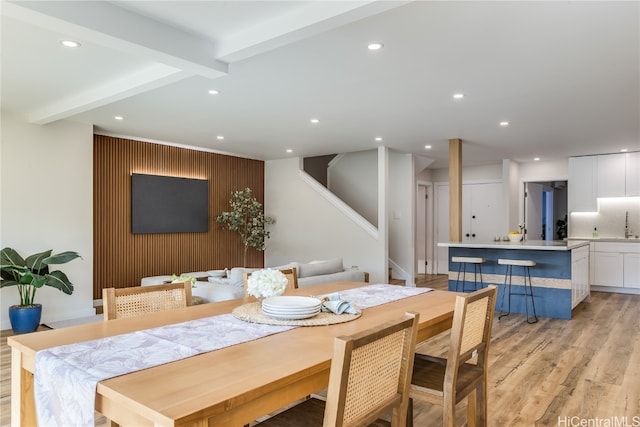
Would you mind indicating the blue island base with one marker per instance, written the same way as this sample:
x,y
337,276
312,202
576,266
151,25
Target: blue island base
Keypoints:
x,y
550,278
549,302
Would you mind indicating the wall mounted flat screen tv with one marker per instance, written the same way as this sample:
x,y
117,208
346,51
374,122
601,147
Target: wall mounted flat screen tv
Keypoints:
x,y
166,204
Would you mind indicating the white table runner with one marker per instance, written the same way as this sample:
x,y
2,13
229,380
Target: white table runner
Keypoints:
x,y
66,377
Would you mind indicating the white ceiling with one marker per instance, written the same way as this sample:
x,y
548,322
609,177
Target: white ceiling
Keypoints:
x,y
565,74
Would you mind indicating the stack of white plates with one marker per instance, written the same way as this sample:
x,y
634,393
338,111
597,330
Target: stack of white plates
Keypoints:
x,y
291,307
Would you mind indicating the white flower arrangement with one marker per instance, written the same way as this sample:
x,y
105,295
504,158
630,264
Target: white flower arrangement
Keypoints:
x,y
266,283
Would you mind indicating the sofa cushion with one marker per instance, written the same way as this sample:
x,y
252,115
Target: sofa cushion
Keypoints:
x,y
320,268
236,273
196,274
213,292
351,275
286,266
154,280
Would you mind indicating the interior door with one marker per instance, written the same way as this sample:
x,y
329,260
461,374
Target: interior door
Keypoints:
x,y
429,229
533,210
484,201
421,229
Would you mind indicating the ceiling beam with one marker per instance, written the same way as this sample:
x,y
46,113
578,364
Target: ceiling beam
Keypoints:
x,y
152,77
300,23
134,34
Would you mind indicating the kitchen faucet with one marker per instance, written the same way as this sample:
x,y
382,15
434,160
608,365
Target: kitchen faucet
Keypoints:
x,y
627,230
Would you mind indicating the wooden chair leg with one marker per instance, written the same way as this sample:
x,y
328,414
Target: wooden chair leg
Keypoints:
x,y
449,413
410,413
481,402
472,409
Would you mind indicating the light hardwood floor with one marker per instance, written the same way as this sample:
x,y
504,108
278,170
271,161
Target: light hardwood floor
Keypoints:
x,y
575,372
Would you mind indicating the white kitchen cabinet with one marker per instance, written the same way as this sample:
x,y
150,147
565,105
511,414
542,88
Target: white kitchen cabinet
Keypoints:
x,y
611,175
582,184
608,269
579,275
632,175
631,270
615,265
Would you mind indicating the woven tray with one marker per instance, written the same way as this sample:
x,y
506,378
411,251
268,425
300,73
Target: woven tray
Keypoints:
x,y
252,312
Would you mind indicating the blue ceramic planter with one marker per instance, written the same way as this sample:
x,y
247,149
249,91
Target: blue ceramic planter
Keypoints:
x,y
25,319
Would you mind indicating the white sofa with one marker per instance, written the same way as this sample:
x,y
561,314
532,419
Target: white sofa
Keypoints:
x,y
231,287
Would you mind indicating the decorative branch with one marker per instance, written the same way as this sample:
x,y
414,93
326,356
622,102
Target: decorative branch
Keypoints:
x,y
247,219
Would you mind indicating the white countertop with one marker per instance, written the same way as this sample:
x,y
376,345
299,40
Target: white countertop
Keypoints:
x,y
544,245
608,239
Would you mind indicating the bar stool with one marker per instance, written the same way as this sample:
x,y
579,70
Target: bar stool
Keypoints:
x,y
462,268
526,265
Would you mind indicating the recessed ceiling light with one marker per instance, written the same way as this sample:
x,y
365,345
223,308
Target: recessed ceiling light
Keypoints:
x,y
315,121
378,138
458,95
214,92
220,137
69,43
427,147
375,46
537,159
289,150
504,123
118,117
624,150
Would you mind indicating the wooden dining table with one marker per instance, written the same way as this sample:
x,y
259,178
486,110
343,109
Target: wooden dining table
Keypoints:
x,y
227,387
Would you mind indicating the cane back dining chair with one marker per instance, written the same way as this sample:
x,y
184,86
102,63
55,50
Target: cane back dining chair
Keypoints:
x,y
447,381
370,376
139,300
290,273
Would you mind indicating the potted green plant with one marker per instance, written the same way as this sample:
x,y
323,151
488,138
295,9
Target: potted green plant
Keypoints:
x,y
561,228
247,218
28,275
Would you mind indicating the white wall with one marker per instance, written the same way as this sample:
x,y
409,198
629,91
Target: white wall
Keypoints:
x,y
309,227
47,203
469,173
353,178
609,220
402,211
557,170
511,200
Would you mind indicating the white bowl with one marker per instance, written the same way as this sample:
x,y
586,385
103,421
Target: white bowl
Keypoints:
x,y
515,237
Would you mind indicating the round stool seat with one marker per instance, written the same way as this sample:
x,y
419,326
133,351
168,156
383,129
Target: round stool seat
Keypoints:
x,y
470,260
521,262
463,261
526,265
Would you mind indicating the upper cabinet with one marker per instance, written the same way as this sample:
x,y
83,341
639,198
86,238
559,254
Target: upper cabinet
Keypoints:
x,y
632,184
582,184
611,176
618,175
605,175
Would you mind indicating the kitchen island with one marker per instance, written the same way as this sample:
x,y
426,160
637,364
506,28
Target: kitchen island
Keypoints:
x,y
560,278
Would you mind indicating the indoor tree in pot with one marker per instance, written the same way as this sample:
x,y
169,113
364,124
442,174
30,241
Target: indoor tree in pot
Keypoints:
x,y
29,275
247,218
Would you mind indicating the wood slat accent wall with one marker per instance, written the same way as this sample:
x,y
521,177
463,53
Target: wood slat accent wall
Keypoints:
x,y
122,258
